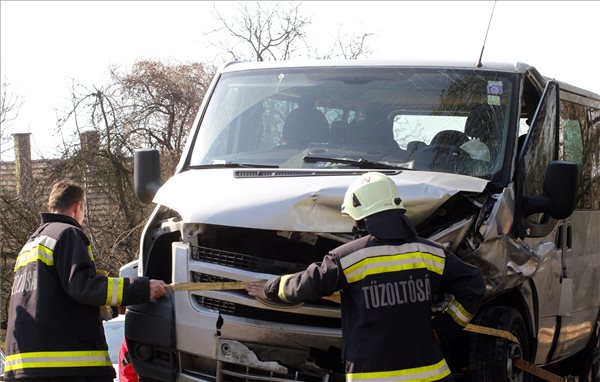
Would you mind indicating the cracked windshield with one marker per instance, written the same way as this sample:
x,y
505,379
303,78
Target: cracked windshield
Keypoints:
x,y
451,121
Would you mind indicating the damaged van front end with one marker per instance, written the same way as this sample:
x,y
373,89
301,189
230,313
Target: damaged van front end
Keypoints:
x,y
258,191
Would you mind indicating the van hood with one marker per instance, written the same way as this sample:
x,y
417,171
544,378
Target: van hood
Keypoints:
x,y
295,200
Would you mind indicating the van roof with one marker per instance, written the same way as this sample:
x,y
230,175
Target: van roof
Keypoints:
x,y
514,67
234,66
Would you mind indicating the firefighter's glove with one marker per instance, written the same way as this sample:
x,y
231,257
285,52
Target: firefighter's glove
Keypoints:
x,y
257,290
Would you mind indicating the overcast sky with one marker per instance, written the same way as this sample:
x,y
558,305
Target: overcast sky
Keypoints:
x,y
47,45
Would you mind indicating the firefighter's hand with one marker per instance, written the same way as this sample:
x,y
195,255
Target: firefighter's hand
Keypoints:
x,y
158,288
106,313
257,289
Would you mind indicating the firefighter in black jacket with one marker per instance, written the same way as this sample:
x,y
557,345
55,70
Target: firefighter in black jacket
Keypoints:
x,y
54,330
387,279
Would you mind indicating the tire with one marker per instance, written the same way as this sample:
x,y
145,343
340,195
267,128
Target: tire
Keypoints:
x,y
490,357
592,361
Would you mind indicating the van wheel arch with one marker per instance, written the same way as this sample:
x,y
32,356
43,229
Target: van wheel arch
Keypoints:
x,y
515,298
490,357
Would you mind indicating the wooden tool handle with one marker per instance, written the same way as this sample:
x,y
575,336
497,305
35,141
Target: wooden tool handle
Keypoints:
x,y
225,285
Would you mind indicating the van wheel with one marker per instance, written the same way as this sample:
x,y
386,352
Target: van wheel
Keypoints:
x,y
592,362
490,358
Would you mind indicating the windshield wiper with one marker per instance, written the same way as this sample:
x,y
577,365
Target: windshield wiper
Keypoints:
x,y
360,163
233,165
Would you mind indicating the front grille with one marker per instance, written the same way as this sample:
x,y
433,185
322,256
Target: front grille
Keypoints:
x,y
204,278
254,264
239,310
245,262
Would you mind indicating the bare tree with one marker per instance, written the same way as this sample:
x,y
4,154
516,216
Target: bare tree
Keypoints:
x,y
153,104
11,235
18,220
263,31
278,31
9,110
161,101
347,46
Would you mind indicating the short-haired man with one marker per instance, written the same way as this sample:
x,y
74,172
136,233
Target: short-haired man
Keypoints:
x,y
388,279
54,331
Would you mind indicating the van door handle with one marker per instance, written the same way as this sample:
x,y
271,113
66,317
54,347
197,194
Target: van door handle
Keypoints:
x,y
569,236
558,240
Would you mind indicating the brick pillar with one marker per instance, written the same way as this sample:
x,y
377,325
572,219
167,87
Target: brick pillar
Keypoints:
x,y
90,141
23,172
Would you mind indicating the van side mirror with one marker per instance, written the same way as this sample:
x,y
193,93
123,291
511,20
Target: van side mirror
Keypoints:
x,y
146,174
559,194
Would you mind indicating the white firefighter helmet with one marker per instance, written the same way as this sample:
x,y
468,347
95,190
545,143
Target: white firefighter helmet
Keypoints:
x,y
373,192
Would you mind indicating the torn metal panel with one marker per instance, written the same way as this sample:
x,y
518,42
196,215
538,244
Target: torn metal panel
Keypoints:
x,y
505,263
236,352
451,237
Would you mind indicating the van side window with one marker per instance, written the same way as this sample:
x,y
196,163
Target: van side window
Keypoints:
x,y
592,156
572,124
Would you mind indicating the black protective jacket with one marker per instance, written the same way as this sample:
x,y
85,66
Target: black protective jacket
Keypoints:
x,y
54,328
387,289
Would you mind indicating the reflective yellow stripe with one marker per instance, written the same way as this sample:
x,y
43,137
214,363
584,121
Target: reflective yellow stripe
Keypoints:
x,y
114,291
383,250
40,248
394,263
458,313
424,373
84,358
89,248
39,252
281,293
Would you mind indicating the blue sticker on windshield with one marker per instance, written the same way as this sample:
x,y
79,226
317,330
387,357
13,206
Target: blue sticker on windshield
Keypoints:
x,y
494,87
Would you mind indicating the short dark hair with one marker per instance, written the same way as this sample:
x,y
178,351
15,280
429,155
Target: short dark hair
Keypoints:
x,y
64,194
